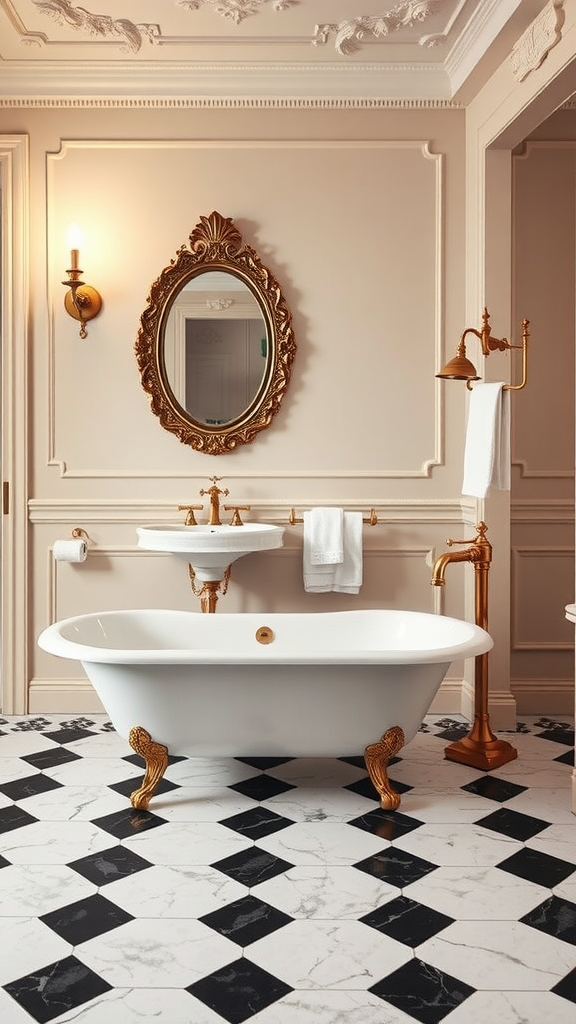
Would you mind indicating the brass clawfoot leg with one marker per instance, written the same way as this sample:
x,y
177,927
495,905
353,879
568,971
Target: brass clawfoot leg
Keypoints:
x,y
156,757
376,757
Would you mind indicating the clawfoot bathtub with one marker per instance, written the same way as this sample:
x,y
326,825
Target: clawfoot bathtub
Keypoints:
x,y
326,684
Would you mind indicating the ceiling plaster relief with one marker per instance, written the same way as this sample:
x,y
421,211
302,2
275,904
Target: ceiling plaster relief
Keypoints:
x,y
349,35
536,43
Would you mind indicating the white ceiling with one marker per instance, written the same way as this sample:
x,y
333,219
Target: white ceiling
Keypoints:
x,y
321,50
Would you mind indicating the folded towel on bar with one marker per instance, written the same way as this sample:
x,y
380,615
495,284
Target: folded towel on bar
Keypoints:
x,y
348,573
343,575
487,451
324,535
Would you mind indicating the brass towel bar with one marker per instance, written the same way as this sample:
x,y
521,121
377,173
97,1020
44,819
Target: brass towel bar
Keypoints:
x,y
371,520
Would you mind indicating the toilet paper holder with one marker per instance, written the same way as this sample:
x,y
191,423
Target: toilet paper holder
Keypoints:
x,y
79,534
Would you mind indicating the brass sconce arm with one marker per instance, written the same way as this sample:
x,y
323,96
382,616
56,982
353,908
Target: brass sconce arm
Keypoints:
x,y
81,301
461,368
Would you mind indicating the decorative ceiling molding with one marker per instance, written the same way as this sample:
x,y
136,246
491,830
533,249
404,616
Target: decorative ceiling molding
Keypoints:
x,y
237,10
350,34
537,41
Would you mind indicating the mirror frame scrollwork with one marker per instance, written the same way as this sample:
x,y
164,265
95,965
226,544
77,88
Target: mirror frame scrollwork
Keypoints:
x,y
215,245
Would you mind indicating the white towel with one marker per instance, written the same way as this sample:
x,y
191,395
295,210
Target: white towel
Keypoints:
x,y
348,574
323,543
487,451
345,575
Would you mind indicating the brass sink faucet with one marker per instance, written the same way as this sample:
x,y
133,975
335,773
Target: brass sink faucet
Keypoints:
x,y
479,552
214,492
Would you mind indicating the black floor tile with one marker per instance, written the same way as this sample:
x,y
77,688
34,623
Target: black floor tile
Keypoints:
x,y
567,758
363,787
257,822
386,824
127,786
422,991
261,787
32,785
139,761
358,761
3,862
83,920
396,867
69,735
56,989
51,757
558,732
556,917
511,823
125,823
239,990
250,867
493,788
537,867
14,817
263,763
109,865
246,920
407,921
567,987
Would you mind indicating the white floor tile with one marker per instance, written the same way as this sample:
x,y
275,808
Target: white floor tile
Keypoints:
x,y
328,954
326,842
187,843
322,892
35,889
174,892
476,893
157,954
499,955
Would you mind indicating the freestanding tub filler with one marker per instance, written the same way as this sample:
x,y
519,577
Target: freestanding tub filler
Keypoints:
x,y
327,684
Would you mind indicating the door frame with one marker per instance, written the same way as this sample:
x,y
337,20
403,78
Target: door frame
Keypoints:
x,y
14,270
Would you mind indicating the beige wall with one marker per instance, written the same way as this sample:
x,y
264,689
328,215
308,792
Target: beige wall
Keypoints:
x,y
361,216
542,535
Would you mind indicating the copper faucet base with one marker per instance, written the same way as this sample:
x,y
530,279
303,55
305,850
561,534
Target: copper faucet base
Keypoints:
x,y
482,754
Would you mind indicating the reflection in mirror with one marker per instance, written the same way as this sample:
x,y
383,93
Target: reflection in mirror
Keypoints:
x,y
215,346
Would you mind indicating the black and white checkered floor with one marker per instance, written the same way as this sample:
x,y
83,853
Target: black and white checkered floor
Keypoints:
x,y
276,891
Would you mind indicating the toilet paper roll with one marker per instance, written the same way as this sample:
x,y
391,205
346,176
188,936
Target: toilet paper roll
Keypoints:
x,y
70,550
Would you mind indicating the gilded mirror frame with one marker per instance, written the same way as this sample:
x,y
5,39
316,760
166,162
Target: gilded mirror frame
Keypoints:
x,y
216,245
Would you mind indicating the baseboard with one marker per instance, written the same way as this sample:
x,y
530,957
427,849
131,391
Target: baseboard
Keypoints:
x,y
63,697
544,697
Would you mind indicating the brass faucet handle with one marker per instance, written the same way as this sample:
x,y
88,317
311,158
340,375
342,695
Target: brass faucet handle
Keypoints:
x,y
237,509
480,537
190,509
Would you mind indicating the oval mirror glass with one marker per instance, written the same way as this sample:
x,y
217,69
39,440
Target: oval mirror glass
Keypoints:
x,y
215,346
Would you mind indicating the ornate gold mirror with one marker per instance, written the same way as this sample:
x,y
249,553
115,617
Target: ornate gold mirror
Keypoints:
x,y
215,346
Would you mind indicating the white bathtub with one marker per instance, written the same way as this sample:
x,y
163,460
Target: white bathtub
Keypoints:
x,y
322,684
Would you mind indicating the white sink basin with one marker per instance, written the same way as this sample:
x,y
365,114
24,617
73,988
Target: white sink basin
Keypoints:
x,y
210,549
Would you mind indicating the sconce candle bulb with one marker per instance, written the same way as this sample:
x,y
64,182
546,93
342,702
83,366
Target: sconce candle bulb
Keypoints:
x,y
81,301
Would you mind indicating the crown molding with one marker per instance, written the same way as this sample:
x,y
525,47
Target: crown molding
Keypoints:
x,y
221,84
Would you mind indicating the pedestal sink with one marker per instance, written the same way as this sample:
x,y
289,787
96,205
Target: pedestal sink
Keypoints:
x,y
210,549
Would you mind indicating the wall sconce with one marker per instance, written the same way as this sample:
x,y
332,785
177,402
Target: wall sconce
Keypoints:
x,y
460,367
81,301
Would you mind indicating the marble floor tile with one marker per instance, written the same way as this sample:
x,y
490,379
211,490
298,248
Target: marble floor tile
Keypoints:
x,y
500,955
276,890
328,954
